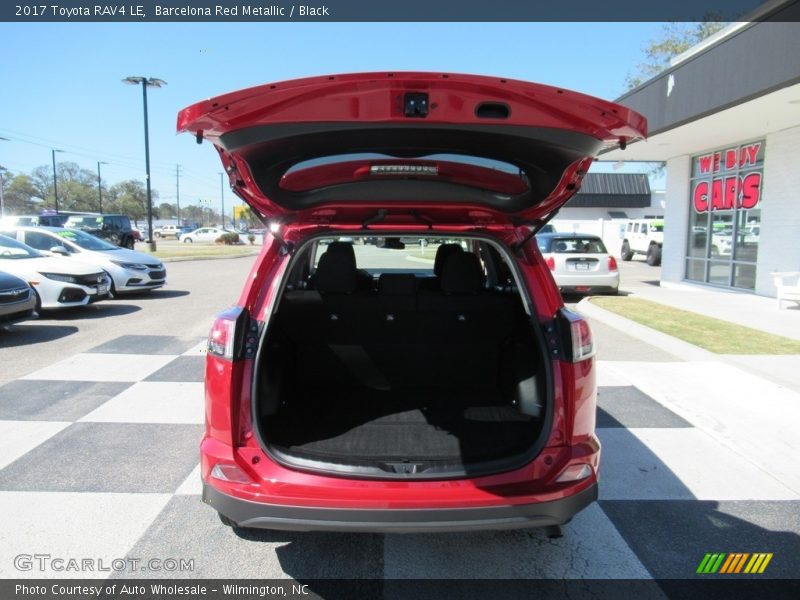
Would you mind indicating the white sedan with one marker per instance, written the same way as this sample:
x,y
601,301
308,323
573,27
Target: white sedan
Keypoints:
x,y
130,271
204,234
58,282
580,263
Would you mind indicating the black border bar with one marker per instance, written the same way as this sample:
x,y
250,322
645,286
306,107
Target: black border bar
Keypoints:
x,y
320,11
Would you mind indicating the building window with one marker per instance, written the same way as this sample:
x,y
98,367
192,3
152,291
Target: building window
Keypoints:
x,y
725,220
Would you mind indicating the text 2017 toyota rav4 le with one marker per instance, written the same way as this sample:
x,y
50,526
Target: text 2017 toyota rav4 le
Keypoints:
x,y
365,382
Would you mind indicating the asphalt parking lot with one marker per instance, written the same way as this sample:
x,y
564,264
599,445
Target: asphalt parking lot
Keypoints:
x,y
101,412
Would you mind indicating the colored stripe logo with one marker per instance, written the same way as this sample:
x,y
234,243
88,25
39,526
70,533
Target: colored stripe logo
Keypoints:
x,y
731,563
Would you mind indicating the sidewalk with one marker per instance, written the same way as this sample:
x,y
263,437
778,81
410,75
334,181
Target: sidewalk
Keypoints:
x,y
749,310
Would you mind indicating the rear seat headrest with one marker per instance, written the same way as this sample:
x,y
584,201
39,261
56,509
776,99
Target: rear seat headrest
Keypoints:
x,y
397,284
336,272
345,248
442,253
462,274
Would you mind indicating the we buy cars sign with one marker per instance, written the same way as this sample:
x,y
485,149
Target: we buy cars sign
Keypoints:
x,y
734,178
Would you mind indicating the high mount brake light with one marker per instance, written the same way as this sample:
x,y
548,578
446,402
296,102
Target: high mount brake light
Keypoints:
x,y
580,342
403,170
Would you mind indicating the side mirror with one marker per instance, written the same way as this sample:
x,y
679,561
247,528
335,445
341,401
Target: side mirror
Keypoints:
x,y
60,250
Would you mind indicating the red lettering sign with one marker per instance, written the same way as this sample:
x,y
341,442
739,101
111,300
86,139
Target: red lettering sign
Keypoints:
x,y
752,153
751,190
730,159
705,164
701,196
741,192
731,189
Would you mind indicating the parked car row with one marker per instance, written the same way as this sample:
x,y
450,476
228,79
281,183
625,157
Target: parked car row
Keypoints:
x,y
48,268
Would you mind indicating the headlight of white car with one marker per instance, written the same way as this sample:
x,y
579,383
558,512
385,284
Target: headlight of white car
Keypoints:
x,y
127,265
60,277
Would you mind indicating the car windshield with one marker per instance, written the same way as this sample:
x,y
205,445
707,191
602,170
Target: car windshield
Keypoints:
x,y
12,249
85,241
573,245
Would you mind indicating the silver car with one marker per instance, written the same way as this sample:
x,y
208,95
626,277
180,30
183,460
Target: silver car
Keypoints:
x,y
130,271
17,300
580,263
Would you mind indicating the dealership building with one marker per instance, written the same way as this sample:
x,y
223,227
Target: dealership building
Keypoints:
x,y
725,117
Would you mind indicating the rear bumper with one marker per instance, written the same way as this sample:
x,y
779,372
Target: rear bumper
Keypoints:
x,y
246,513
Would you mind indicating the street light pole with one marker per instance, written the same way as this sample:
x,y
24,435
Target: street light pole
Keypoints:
x,y
151,82
55,177
222,198
100,184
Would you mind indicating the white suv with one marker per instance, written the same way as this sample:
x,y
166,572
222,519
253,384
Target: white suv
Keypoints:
x,y
643,236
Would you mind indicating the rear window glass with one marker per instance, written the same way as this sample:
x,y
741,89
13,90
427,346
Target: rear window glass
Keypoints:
x,y
573,246
85,222
478,161
372,255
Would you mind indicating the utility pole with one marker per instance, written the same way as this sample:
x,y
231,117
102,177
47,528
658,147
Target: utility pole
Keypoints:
x,y
100,184
178,191
222,198
55,177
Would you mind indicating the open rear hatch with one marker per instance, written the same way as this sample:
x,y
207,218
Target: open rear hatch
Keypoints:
x,y
442,147
460,367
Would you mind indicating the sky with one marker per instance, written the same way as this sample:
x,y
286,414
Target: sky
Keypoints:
x,y
61,84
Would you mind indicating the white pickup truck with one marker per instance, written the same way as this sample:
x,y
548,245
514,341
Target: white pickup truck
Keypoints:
x,y
168,231
645,237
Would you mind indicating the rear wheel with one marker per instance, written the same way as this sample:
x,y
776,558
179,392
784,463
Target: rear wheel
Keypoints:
x,y
187,240
625,253
654,256
128,243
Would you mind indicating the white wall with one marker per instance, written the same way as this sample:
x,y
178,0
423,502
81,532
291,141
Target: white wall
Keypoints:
x,y
676,219
779,245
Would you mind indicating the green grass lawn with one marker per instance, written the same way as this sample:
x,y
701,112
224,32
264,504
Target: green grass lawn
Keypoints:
x,y
189,251
714,335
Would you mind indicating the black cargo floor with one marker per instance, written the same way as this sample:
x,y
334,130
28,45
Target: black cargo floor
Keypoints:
x,y
361,428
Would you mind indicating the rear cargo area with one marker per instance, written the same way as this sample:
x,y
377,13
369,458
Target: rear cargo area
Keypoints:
x,y
399,373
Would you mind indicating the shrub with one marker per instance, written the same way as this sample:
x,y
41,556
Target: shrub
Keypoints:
x,y
228,239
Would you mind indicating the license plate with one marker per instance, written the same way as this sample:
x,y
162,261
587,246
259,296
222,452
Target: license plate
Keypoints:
x,y
102,289
582,266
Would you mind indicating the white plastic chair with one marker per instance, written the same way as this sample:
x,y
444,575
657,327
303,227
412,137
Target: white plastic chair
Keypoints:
x,y
787,284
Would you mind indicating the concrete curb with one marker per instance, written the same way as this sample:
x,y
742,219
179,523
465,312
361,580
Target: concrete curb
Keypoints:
x,y
667,343
188,258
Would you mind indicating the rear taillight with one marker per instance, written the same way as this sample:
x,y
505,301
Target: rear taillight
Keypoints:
x,y
612,263
551,263
223,339
579,342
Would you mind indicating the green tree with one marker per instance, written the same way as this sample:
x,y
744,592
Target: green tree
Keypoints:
x,y
675,39
167,210
130,198
77,187
20,196
249,217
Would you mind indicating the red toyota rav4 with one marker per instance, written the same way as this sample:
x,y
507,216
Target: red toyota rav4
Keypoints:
x,y
400,358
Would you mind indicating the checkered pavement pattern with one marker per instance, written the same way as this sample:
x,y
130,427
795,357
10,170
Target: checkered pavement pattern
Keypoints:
x,y
99,459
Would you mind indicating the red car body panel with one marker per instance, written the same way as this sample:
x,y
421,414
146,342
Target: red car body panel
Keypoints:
x,y
374,98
